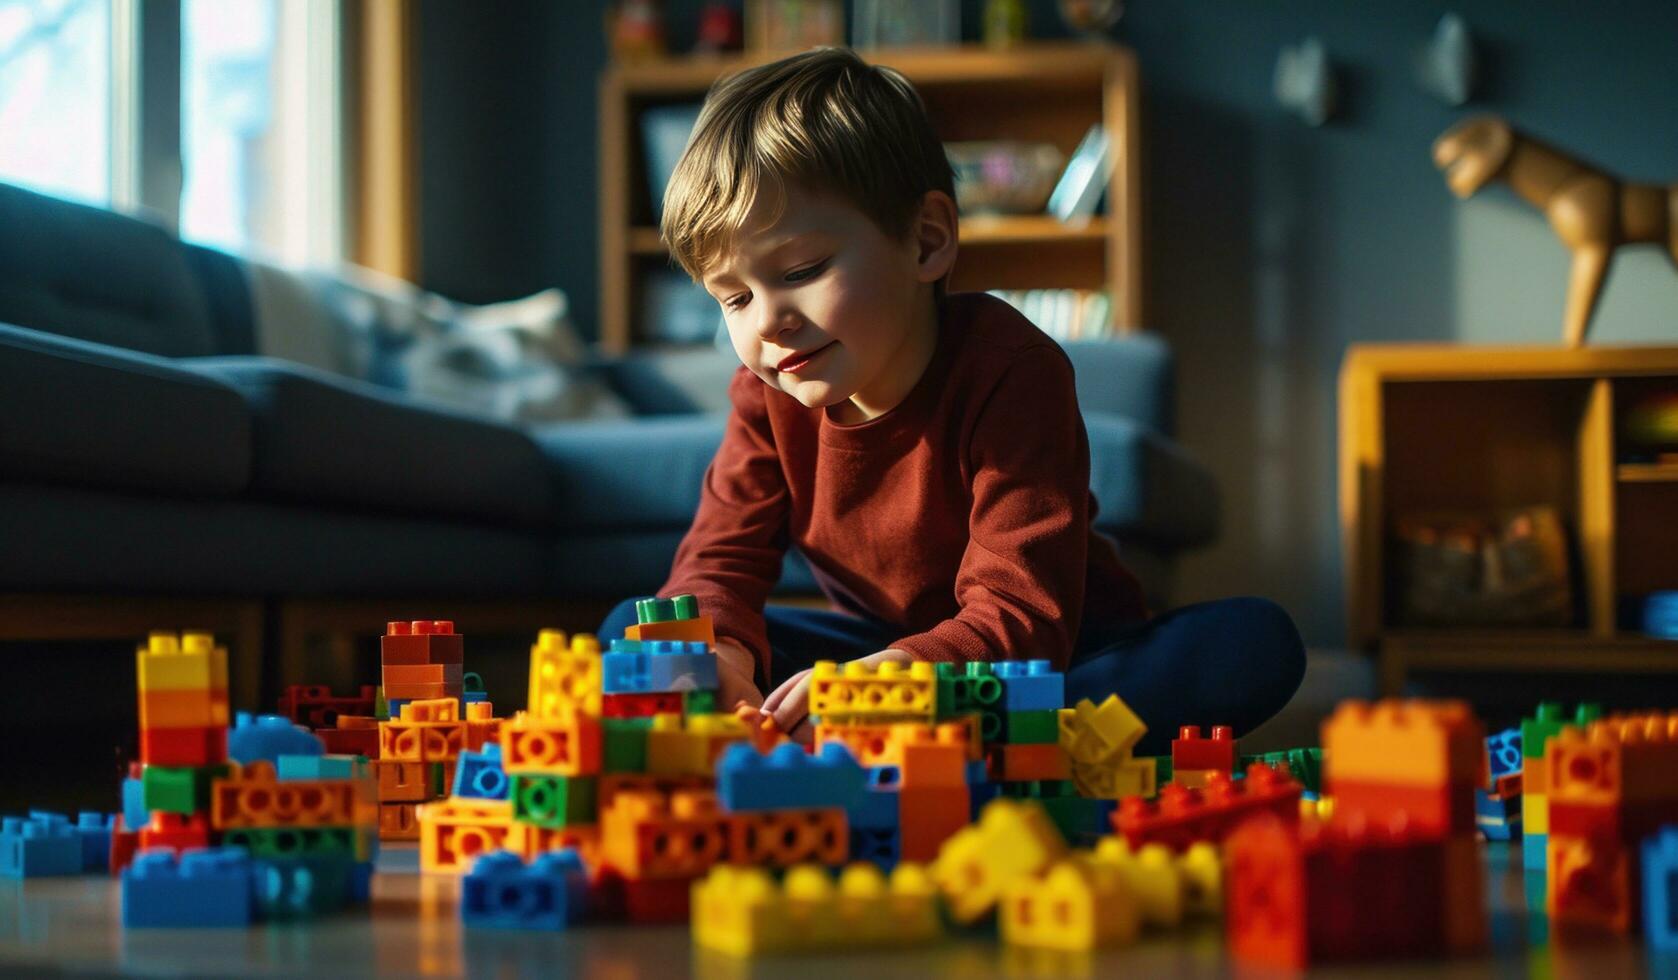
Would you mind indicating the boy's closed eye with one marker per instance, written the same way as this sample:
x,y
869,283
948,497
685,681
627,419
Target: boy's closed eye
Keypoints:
x,y
801,274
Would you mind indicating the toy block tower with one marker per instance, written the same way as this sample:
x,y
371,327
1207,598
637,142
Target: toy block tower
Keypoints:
x,y
1547,722
183,736
1611,786
422,659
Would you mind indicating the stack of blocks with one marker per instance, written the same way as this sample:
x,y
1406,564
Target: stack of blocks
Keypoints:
x,y
183,737
423,659
1611,785
1547,722
1396,871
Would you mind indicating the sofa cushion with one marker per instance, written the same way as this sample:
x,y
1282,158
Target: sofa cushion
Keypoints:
x,y
1130,376
1147,487
96,275
630,475
88,413
329,440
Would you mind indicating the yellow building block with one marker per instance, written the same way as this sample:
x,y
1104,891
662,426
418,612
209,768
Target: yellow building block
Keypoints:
x,y
1404,743
564,676
887,692
1151,872
1013,838
1078,905
1117,779
1093,734
1201,870
744,912
678,747
454,832
190,662
1321,808
1535,814
431,710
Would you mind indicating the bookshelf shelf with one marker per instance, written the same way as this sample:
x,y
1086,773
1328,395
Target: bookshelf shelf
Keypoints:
x,y
1043,92
1647,472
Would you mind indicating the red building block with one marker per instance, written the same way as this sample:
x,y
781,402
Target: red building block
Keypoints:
x,y
1593,885
1029,763
421,642
1181,816
640,705
316,707
1189,751
175,830
197,746
927,816
1443,811
124,843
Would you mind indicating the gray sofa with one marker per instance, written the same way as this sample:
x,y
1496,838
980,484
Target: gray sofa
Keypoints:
x,y
146,450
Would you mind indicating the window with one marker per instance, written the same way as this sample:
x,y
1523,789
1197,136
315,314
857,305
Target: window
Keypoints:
x,y
219,116
55,97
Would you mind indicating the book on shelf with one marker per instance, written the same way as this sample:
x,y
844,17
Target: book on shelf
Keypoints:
x,y
1078,194
1064,314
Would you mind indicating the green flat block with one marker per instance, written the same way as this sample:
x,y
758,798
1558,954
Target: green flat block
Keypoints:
x,y
1031,727
298,842
655,610
1548,721
178,789
554,801
699,702
625,748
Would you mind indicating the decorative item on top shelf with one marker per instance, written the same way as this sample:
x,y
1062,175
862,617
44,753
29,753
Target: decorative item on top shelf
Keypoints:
x,y
1083,186
1304,82
1508,569
1091,18
1649,433
1592,211
719,28
1064,314
794,25
635,30
886,23
1004,23
1004,176
1446,67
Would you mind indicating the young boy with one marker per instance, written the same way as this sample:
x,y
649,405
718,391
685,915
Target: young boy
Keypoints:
x,y
924,451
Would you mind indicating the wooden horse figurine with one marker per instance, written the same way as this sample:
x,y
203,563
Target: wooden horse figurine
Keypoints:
x,y
1592,212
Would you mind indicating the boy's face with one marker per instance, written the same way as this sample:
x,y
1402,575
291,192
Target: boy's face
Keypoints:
x,y
824,306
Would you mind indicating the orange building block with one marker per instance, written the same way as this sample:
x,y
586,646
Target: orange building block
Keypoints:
x,y
401,741
783,838
404,782
431,710
645,837
398,821
529,840
253,797
698,628
1593,885
663,787
1399,742
456,831
183,708
927,816
569,745
1029,763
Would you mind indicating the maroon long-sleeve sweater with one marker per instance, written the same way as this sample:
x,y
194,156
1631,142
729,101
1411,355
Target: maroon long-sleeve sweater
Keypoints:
x,y
962,516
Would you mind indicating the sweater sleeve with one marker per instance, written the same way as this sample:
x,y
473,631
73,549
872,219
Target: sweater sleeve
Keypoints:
x,y
1020,584
731,556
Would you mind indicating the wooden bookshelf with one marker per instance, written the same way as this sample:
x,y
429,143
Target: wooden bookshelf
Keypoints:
x,y
1048,91
1439,427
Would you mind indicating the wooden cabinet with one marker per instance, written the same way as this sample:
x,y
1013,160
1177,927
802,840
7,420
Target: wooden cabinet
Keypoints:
x,y
1434,427
1051,92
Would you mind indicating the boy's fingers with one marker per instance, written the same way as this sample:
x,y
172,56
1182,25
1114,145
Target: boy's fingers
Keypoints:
x,y
791,709
779,694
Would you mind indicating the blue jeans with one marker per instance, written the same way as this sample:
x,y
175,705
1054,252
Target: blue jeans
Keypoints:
x,y
1227,662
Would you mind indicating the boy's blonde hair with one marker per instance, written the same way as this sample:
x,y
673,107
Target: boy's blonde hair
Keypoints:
x,y
825,121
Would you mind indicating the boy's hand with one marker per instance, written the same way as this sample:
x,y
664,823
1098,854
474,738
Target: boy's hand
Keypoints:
x,y
736,668
790,703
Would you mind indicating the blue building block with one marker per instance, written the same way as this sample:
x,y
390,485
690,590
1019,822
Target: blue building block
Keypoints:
x,y
39,845
1660,889
323,767
473,697
976,771
95,829
302,887
502,892
269,737
134,812
1498,819
1503,750
361,881
875,809
657,666
789,778
1031,685
1534,851
479,774
882,846
206,887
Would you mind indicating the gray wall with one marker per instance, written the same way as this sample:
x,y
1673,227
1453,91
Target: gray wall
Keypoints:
x,y
1270,245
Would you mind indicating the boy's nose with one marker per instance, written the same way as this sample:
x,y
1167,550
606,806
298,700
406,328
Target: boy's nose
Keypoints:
x,y
777,323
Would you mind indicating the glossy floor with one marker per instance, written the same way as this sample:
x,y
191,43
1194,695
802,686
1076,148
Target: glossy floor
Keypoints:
x,y
413,929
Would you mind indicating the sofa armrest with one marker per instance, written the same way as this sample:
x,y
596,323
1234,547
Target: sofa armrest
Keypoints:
x,y
1132,376
81,412
1148,487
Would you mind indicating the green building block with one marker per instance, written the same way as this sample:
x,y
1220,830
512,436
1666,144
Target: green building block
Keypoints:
x,y
1304,764
699,702
655,610
381,707
968,689
291,842
554,801
1162,769
288,889
1031,727
178,789
625,744
1548,721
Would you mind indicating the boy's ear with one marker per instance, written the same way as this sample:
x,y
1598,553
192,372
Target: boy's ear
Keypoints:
x,y
936,230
